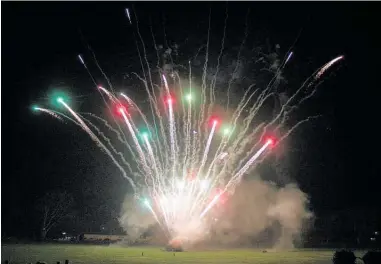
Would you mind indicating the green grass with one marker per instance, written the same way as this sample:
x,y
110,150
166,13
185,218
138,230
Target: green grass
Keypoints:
x,y
113,254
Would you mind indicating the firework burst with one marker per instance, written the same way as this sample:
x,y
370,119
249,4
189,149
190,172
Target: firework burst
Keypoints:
x,y
190,153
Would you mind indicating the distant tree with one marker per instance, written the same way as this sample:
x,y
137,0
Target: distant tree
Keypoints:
x,y
54,207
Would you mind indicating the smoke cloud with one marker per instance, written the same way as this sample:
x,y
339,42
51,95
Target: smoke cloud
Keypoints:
x,y
262,214
258,214
134,218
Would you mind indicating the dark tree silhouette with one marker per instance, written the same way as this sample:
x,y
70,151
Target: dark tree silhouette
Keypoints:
x,y
54,207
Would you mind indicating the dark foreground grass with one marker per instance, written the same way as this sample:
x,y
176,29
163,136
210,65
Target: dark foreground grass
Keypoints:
x,y
133,255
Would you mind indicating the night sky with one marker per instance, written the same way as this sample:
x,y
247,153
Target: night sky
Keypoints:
x,y
335,160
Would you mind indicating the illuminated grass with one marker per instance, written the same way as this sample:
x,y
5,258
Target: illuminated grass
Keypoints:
x,y
113,254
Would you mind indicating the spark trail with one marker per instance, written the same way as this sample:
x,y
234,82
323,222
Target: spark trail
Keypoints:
x,y
96,140
49,112
128,15
181,167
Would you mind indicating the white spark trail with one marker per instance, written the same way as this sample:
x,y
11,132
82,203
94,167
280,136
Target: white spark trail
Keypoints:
x,y
82,61
111,146
135,139
206,152
239,174
98,142
288,57
172,126
327,66
128,15
152,155
49,112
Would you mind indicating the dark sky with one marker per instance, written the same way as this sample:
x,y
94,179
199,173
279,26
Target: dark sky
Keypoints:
x,y
40,42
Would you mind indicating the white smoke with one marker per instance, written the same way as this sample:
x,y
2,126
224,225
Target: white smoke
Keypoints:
x,y
135,219
261,214
258,214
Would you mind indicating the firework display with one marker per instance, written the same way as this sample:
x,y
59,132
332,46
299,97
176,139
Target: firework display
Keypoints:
x,y
192,152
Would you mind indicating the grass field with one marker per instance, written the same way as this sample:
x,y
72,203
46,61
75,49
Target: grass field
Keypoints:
x,y
113,254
